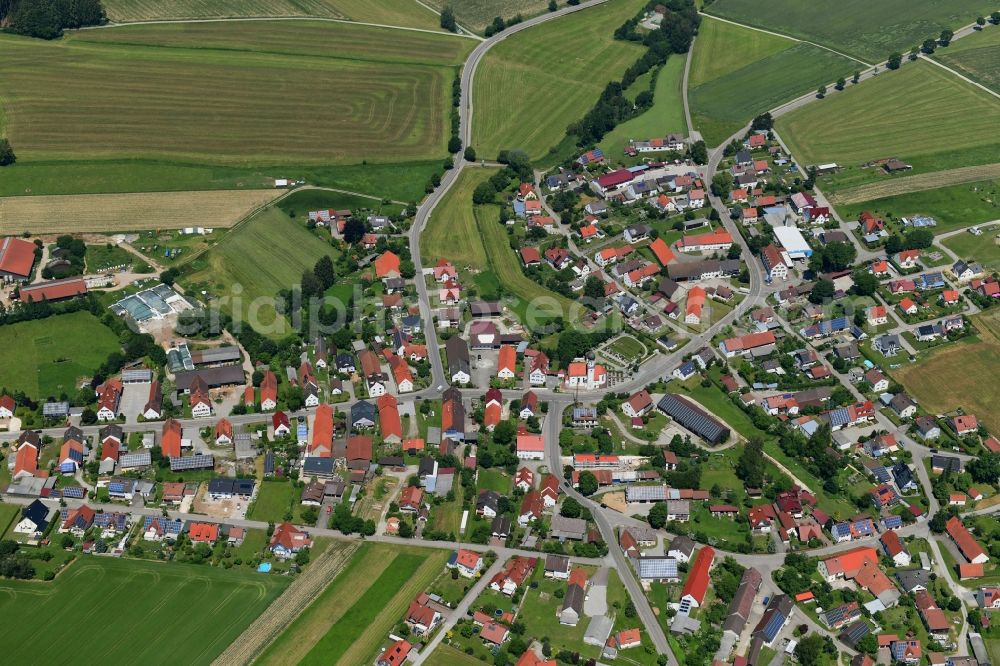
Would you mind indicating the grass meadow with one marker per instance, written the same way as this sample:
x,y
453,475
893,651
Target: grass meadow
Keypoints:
x,y
953,206
529,87
198,611
347,623
533,303
920,100
451,231
737,73
860,28
406,13
47,357
665,116
263,255
983,249
976,56
225,106
969,370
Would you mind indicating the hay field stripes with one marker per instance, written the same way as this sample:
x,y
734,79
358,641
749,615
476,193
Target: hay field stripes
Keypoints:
x,y
110,213
723,46
976,55
925,181
513,101
394,13
926,101
283,610
220,106
964,77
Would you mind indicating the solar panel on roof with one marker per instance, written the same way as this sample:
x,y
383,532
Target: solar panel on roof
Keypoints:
x,y
774,625
75,492
645,493
191,462
657,567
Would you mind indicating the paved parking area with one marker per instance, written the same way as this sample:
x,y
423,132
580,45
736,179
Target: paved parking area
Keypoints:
x,y
134,398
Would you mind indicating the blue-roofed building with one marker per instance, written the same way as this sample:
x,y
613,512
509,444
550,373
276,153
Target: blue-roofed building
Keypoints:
x,y
585,417
657,569
74,492
67,468
892,522
685,370
157,528
777,615
121,488
839,418
862,528
933,280
903,476
854,633
836,618
880,473
841,532
111,522
519,207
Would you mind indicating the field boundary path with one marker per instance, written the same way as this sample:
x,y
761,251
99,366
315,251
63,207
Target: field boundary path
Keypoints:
x,y
779,34
963,77
283,610
433,10
324,19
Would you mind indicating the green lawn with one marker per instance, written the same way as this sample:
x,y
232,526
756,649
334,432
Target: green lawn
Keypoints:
x,y
628,347
274,500
493,479
539,614
248,267
924,100
451,231
723,105
104,257
866,30
299,203
47,357
983,249
976,56
514,94
209,607
665,116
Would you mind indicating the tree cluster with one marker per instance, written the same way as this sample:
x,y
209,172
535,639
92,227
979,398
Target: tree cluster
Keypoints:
x,y
7,156
47,19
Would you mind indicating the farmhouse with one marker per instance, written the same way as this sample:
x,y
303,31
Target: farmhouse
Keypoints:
x,y
715,240
17,258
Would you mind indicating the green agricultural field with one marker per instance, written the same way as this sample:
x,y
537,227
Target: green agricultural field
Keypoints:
x,y
391,12
445,655
920,99
953,207
347,623
451,231
976,56
983,249
513,94
968,370
534,304
47,357
208,606
723,47
268,99
665,116
860,28
723,105
247,268
475,15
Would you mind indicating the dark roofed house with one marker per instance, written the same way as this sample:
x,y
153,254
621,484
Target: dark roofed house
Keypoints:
x,y
693,418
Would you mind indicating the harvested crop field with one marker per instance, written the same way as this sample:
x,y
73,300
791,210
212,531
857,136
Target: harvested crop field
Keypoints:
x,y
231,94
924,100
722,48
476,14
407,13
968,370
515,106
109,213
890,187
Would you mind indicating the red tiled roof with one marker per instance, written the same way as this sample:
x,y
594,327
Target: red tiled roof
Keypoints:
x,y
963,539
697,581
17,256
54,290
